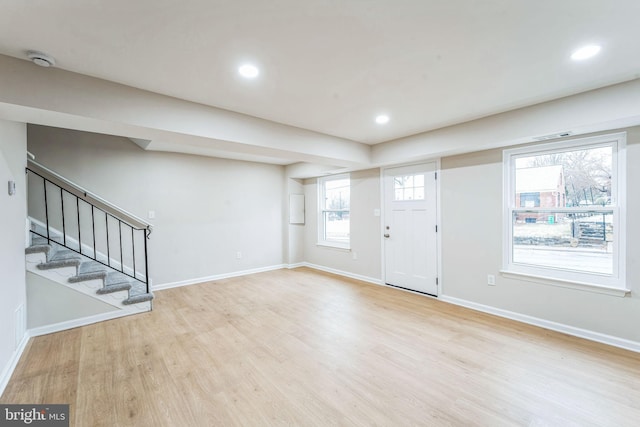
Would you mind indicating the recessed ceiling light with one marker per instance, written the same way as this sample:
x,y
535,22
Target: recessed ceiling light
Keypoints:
x,y
41,59
249,71
382,119
585,52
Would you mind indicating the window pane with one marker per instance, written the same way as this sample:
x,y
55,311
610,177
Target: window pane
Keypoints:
x,y
569,241
408,187
579,177
337,194
529,200
337,226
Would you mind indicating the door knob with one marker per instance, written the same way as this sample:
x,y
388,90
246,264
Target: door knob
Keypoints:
x,y
386,235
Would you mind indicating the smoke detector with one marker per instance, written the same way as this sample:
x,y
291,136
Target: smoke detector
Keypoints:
x,y
41,59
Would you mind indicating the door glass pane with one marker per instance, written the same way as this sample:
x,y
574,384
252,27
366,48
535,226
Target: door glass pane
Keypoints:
x,y
419,193
409,187
408,194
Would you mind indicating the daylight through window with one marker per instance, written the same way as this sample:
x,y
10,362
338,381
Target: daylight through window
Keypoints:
x,y
563,210
334,202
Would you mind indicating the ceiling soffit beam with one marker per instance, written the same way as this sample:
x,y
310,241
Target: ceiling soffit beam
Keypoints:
x,y
597,110
153,116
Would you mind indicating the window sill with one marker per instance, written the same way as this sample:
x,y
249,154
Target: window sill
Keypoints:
x,y
589,287
336,246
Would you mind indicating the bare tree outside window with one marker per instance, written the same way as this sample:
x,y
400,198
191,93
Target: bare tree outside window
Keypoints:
x,y
562,202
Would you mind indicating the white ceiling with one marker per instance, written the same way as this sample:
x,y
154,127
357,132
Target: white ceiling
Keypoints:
x,y
331,65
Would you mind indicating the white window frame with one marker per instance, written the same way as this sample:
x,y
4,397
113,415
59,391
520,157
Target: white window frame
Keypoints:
x,y
613,284
322,241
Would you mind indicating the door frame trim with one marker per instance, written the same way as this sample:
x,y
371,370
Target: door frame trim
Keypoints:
x,y
383,202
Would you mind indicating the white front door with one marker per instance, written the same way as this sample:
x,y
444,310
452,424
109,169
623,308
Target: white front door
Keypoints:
x,y
410,244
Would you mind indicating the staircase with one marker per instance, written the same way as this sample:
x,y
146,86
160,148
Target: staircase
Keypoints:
x,y
83,271
82,241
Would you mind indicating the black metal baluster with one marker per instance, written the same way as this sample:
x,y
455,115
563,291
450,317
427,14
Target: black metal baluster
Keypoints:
x,y
106,224
146,261
146,231
79,235
46,211
93,226
64,233
133,253
121,259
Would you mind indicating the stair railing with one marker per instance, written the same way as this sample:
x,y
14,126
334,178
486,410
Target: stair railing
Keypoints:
x,y
69,215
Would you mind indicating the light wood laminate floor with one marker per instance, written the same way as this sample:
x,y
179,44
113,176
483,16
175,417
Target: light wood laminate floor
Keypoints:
x,y
300,347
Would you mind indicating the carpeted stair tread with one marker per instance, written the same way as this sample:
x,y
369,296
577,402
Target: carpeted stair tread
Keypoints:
x,y
37,240
62,254
138,288
138,298
92,267
92,275
114,288
58,256
60,263
89,270
35,249
115,277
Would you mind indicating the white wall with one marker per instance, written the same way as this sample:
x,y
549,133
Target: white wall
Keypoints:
x,y
471,224
13,158
471,245
365,228
51,303
206,209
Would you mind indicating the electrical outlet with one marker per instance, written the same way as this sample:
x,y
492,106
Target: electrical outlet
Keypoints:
x,y
354,255
152,214
491,280
238,255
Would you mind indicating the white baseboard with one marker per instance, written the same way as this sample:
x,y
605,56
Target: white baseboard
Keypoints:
x,y
76,323
547,324
296,265
13,362
216,277
262,270
339,272
57,327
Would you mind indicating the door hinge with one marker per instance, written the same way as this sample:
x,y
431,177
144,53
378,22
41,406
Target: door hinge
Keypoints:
x,y
436,280
436,175
436,228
